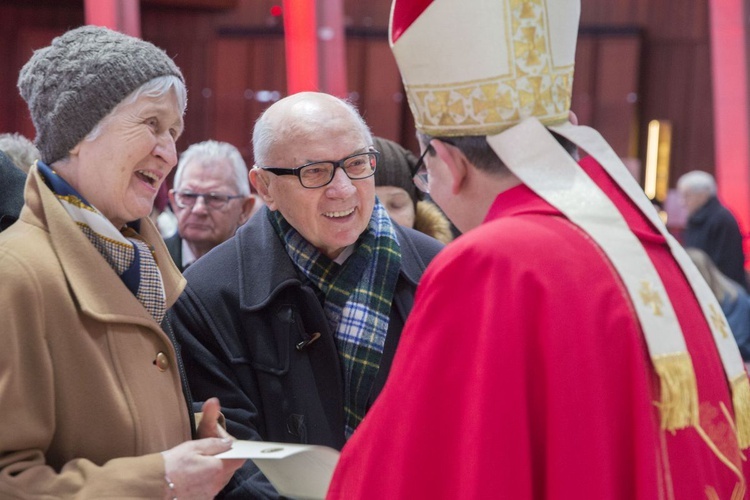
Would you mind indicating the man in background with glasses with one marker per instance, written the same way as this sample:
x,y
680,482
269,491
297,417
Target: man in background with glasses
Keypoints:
x,y
211,199
293,323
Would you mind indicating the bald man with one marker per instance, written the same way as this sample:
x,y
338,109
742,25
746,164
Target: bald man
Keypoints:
x,y
294,322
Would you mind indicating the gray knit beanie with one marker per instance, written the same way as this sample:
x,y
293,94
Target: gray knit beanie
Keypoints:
x,y
75,82
395,167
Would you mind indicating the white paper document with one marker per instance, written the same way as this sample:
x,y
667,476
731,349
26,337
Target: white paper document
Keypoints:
x,y
295,470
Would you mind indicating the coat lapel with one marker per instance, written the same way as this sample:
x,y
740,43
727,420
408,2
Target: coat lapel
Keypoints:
x,y
99,291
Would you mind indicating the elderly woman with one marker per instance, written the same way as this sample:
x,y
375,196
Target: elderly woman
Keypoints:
x,y
90,386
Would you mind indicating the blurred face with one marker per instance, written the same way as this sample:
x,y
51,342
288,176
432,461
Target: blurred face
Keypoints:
x,y
331,217
692,201
398,204
201,225
121,170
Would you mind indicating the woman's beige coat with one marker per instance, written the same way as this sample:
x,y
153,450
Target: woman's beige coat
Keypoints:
x,y
85,408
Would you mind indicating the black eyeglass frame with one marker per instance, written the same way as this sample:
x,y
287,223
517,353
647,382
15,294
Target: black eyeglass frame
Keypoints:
x,y
419,172
336,164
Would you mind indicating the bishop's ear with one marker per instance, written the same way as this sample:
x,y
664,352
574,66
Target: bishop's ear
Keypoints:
x,y
455,162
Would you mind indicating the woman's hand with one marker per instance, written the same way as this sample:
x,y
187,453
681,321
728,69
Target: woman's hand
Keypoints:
x,y
191,467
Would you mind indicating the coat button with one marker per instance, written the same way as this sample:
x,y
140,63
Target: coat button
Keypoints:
x,y
162,362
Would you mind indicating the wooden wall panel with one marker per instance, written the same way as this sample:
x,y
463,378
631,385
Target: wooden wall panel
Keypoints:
x,y
408,138
672,81
618,67
229,83
372,14
605,87
356,66
584,80
268,80
200,4
248,75
29,38
683,96
382,91
250,14
664,19
11,106
23,30
675,77
185,36
698,150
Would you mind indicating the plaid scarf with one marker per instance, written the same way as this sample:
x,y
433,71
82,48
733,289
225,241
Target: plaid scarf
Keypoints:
x,y
130,257
357,297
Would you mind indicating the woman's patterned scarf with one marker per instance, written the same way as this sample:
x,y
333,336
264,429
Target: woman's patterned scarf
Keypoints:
x,y
357,297
131,258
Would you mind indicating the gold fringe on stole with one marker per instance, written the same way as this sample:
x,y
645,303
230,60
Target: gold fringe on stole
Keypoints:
x,y
741,404
679,391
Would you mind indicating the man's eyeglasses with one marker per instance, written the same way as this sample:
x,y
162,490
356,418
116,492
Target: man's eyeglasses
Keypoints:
x,y
185,199
320,173
420,177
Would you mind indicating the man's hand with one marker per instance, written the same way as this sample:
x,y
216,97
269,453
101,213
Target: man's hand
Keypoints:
x,y
209,425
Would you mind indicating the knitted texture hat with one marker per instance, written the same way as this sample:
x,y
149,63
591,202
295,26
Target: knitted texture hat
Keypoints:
x,y
396,167
76,81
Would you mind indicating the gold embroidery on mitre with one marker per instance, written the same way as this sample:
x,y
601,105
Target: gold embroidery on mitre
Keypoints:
x,y
440,108
530,48
719,322
537,95
527,10
562,93
494,99
651,298
533,86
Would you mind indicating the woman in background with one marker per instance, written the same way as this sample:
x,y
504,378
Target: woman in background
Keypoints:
x,y
733,298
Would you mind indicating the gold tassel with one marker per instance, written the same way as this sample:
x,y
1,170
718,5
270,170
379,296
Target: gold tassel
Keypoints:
x,y
679,391
741,404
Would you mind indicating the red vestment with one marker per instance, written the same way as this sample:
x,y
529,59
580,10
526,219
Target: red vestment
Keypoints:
x,y
522,372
